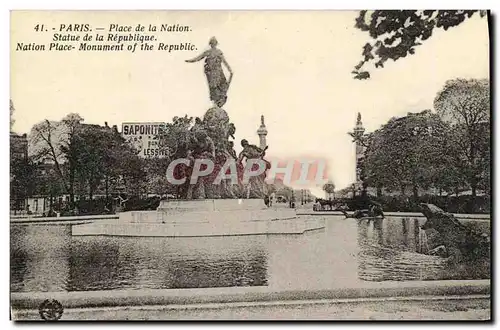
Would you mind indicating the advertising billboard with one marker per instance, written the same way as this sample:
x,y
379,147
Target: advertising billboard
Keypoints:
x,y
144,137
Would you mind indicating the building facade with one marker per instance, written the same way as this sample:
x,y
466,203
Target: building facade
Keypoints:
x,y
18,167
18,146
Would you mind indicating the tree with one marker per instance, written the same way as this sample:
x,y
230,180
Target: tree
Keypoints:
x,y
22,180
406,152
85,159
47,183
286,192
329,188
91,168
105,158
396,33
465,104
121,163
175,139
131,172
157,183
176,136
58,142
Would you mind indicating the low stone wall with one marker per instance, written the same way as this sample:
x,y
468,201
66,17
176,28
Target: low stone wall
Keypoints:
x,y
82,218
88,218
229,217
86,299
449,308
479,217
197,224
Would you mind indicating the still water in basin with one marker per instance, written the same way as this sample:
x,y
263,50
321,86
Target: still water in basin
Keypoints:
x,y
346,252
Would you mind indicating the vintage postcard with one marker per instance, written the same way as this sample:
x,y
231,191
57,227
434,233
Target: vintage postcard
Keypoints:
x,y
250,165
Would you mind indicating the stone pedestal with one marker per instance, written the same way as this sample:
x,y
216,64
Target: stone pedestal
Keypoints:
x,y
215,217
211,205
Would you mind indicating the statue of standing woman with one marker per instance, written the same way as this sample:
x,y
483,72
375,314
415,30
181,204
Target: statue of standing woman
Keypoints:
x,y
217,82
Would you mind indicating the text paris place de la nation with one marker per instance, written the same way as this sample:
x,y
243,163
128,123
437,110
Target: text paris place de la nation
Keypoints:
x,y
111,39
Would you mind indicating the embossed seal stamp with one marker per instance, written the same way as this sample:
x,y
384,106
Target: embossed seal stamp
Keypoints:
x,y
51,310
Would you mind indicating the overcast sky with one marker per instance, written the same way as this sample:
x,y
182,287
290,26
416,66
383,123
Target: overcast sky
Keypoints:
x,y
292,67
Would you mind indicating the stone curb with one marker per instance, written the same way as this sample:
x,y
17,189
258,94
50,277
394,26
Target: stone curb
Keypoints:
x,y
479,217
87,299
64,219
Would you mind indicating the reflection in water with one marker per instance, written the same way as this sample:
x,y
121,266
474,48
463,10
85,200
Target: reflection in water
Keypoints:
x,y
386,255
319,259
48,258
423,246
40,258
160,262
389,251
98,265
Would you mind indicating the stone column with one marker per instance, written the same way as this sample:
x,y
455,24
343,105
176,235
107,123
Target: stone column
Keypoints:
x,y
262,132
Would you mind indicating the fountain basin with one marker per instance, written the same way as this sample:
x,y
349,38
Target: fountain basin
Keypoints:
x,y
216,218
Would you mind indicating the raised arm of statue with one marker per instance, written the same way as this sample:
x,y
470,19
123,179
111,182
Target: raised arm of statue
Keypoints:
x,y
198,58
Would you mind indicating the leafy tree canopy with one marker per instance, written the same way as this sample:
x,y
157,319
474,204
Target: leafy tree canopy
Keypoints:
x,y
406,151
396,33
329,187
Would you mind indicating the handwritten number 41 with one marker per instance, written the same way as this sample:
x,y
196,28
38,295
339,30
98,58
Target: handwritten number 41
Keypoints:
x,y
39,27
